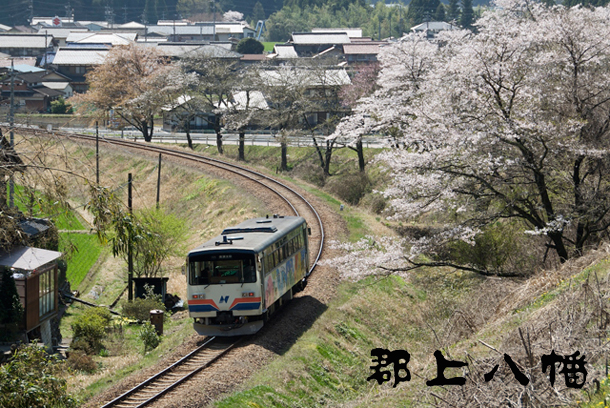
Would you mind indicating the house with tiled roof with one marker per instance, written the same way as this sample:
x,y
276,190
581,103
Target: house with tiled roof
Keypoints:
x,y
75,60
32,91
26,45
309,44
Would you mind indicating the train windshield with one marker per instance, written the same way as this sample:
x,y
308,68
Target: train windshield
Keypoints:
x,y
213,269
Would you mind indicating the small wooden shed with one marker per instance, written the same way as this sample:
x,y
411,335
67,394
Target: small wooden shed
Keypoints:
x,y
35,274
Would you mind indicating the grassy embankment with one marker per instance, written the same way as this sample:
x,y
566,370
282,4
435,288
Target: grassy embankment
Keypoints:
x,y
461,313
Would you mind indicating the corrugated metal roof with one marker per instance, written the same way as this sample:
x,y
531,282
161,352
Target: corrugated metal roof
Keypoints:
x,y
319,38
361,49
80,56
28,259
25,41
58,86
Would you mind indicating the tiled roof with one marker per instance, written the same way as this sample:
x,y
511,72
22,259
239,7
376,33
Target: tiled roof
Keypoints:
x,y
25,41
102,38
285,51
80,56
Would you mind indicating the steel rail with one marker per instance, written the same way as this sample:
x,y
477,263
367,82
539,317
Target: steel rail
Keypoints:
x,y
121,399
230,167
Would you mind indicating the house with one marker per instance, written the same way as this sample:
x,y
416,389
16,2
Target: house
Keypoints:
x,y
308,44
283,52
183,114
361,52
432,28
26,45
101,38
75,60
60,34
321,88
31,91
35,273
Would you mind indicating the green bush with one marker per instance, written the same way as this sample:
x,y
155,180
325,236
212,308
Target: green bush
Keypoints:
x,y
501,249
149,336
60,106
32,378
139,309
89,329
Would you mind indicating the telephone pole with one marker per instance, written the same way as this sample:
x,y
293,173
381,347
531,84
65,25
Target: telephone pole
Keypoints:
x,y
11,202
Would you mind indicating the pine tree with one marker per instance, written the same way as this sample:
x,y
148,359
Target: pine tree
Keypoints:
x,y
453,11
258,12
439,15
421,10
467,16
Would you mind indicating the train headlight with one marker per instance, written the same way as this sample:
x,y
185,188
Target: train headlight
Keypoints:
x,y
199,296
247,294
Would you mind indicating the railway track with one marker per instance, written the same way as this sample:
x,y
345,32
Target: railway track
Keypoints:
x,y
297,203
179,372
213,349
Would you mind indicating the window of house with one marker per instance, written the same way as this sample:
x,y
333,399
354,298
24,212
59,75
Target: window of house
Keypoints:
x,y
46,292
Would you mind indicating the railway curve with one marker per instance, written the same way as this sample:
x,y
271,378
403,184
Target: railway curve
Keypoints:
x,y
295,203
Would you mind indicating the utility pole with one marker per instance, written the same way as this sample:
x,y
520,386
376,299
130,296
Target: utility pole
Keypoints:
x,y
159,182
97,154
129,249
12,132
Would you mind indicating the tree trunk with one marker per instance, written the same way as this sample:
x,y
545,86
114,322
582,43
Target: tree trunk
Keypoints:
x,y
219,143
242,140
284,165
327,156
187,128
360,152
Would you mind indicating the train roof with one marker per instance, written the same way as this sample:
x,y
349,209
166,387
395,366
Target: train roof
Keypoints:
x,y
251,235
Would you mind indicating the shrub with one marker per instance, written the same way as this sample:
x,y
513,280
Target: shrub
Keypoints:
x,y
80,361
139,309
350,187
149,336
32,378
90,328
500,249
310,172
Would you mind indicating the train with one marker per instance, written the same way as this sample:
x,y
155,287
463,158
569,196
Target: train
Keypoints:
x,y
238,279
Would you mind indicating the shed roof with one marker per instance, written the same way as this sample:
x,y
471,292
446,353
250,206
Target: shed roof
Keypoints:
x,y
27,258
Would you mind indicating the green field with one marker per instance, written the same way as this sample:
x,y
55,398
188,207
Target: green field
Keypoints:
x,y
82,251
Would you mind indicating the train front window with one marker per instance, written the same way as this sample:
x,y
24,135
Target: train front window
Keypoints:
x,y
213,269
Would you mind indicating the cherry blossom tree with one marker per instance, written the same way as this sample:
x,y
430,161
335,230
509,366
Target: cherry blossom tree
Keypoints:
x,y
132,83
508,124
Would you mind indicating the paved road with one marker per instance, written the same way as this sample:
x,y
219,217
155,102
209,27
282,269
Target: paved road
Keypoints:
x,y
258,139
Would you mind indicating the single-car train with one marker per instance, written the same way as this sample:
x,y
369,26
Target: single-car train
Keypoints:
x,y
238,279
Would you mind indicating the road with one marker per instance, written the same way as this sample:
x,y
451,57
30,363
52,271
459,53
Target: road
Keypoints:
x,y
255,139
